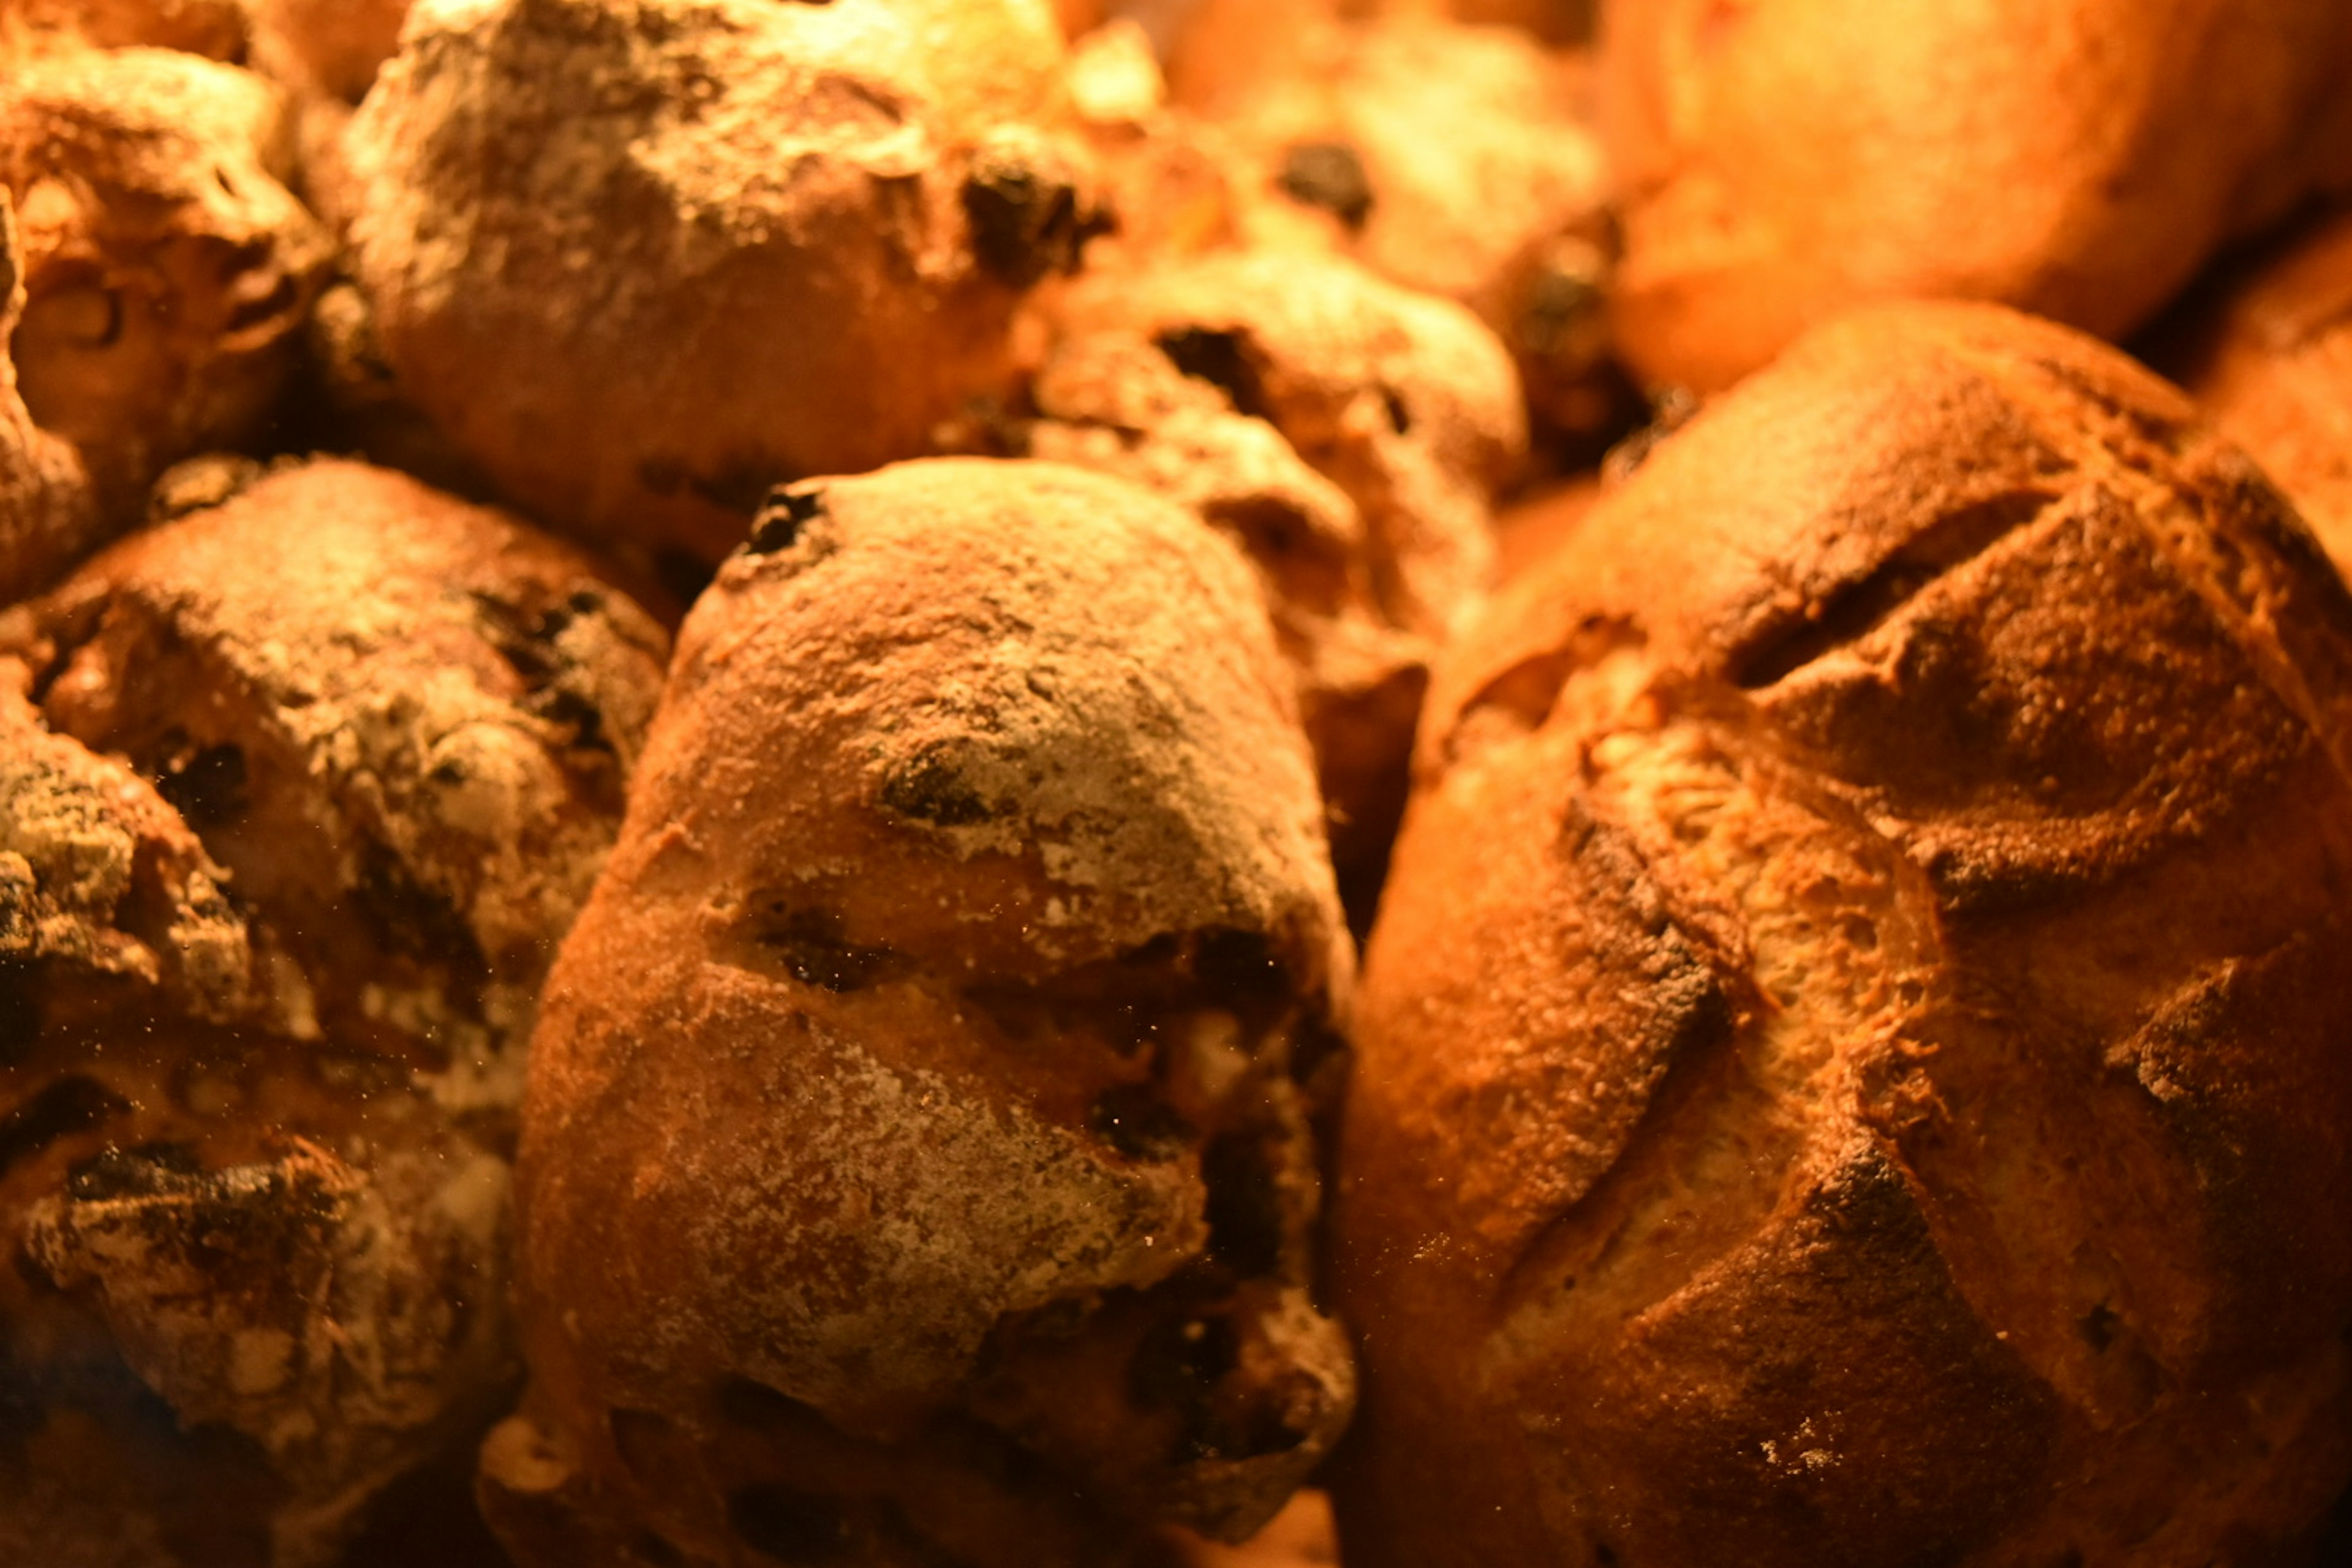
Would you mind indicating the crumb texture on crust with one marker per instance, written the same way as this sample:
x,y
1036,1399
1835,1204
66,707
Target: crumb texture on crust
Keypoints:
x,y
1849,1041
298,791
930,1075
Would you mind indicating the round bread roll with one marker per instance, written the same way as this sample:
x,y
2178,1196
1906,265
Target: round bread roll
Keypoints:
x,y
47,515
166,270
297,795
1454,161
1779,162
2268,355
1854,1039
1349,433
771,240
917,1165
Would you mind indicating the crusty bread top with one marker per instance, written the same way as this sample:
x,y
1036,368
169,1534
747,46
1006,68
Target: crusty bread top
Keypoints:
x,y
775,240
972,918
1852,1024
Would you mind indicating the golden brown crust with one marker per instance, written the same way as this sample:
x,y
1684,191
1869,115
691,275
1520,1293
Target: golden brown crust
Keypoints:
x,y
1347,433
167,270
1846,1032
928,1078
1780,163
638,328
2267,353
1454,161
47,515
296,795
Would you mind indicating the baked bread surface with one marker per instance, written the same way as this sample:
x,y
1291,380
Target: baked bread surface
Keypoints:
x,y
1855,1029
916,1158
297,793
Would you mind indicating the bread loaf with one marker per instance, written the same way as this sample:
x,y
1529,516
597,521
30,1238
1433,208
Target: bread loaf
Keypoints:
x,y
771,240
1779,162
47,515
916,1163
166,269
296,795
1855,1032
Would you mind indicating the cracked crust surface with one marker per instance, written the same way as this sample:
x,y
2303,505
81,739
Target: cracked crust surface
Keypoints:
x,y
1849,1040
917,1154
296,794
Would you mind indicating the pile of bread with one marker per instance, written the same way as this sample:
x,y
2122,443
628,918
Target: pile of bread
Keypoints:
x,y
967,784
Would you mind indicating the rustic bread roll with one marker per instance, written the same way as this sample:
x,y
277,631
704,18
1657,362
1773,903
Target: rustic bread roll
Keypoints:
x,y
1856,1026
167,271
1455,161
47,515
296,796
769,240
2268,355
1349,433
917,1164
1778,163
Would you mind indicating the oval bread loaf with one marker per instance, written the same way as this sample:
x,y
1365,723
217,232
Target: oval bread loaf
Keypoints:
x,y
1856,1037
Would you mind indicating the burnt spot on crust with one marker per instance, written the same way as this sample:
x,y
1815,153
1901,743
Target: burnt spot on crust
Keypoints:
x,y
787,1524
1330,174
524,639
1027,219
929,788
70,1105
1223,359
1134,1120
205,785
788,508
574,710
813,947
